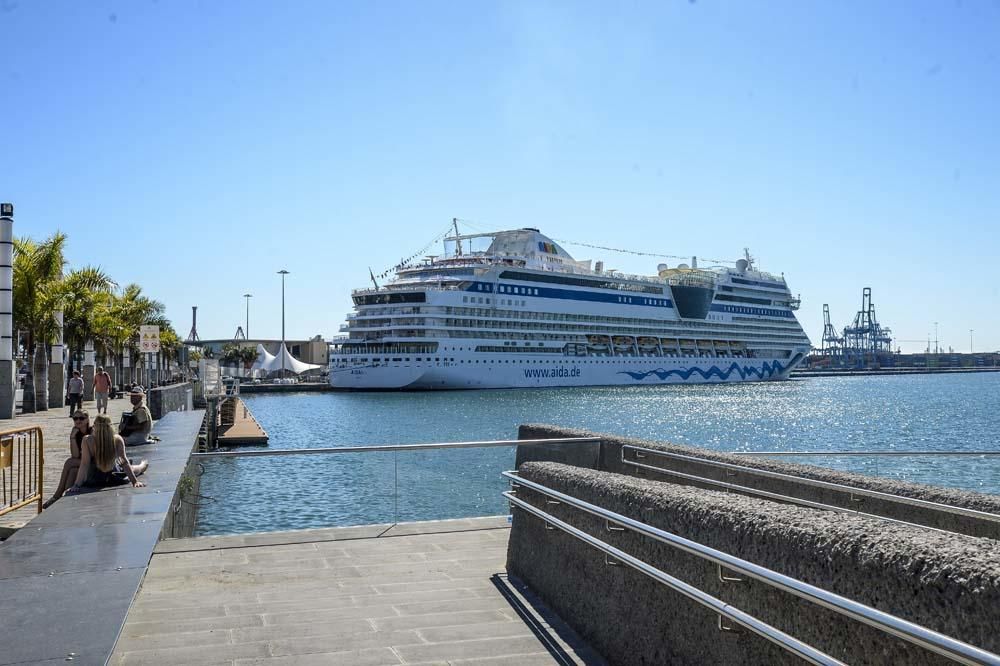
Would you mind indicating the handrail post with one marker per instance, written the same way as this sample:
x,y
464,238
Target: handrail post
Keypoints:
x,y
41,469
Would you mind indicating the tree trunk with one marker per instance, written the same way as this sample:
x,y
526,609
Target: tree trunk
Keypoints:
x,y
41,378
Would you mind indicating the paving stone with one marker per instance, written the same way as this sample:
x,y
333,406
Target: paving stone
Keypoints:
x,y
454,605
434,593
451,583
292,646
134,629
186,639
148,614
341,627
370,657
438,620
468,632
485,647
329,615
199,654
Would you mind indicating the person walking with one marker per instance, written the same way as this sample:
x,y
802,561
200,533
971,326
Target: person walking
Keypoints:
x,y
74,392
102,387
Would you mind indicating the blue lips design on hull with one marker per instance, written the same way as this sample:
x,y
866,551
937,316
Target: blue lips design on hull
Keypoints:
x,y
767,371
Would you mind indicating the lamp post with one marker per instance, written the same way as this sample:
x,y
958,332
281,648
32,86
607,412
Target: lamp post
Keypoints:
x,y
246,331
282,273
971,349
936,348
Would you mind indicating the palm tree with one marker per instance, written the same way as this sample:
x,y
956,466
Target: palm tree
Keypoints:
x,y
85,291
170,345
38,294
131,309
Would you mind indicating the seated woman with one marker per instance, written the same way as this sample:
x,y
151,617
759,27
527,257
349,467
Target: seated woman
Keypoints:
x,y
102,459
81,428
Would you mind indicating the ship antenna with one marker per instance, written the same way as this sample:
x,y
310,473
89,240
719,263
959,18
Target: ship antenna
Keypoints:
x,y
458,243
746,255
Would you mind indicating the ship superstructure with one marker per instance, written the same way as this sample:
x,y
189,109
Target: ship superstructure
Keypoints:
x,y
524,313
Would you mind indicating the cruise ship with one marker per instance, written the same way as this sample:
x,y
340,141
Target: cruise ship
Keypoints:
x,y
523,313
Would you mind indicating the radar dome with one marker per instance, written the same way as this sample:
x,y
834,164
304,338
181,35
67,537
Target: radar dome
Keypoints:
x,y
682,266
661,267
741,265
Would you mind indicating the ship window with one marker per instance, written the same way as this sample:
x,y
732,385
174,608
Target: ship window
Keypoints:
x,y
465,299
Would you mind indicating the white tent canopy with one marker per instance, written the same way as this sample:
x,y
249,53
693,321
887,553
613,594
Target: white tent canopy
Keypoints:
x,y
269,363
263,358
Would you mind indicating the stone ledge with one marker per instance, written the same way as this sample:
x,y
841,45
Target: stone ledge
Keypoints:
x,y
89,552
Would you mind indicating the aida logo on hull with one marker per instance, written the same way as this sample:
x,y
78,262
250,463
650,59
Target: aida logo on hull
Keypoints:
x,y
551,373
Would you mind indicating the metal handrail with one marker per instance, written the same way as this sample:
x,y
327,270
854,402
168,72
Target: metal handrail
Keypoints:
x,y
901,499
867,454
778,497
394,447
790,643
908,631
27,482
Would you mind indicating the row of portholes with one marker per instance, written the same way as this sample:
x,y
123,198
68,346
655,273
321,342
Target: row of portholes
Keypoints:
x,y
652,361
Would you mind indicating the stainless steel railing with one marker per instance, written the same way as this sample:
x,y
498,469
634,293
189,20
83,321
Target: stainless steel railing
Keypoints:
x,y
828,485
756,492
250,453
931,640
870,454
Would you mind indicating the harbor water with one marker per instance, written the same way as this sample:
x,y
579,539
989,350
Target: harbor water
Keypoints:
x,y
912,413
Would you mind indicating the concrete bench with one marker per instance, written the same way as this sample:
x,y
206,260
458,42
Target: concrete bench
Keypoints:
x,y
69,577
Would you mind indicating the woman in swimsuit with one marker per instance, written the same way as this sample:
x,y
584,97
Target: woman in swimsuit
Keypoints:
x,y
81,428
102,459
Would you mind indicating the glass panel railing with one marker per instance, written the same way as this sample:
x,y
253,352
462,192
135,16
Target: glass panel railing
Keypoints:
x,y
268,490
457,483
249,494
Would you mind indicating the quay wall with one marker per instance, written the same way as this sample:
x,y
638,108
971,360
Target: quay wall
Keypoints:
x,y
303,387
173,398
608,457
946,582
181,517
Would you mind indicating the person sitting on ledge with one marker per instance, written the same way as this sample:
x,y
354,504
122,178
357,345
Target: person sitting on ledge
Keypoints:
x,y
135,426
102,459
81,428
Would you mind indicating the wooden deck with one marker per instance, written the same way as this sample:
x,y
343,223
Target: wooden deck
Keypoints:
x,y
238,426
418,593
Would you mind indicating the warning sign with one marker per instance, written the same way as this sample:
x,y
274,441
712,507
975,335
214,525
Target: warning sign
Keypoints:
x,y
149,339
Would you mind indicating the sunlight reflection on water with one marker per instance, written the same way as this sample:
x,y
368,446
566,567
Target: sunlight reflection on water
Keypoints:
x,y
920,412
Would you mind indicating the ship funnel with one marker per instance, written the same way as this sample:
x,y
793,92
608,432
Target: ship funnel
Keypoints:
x,y
694,262
599,267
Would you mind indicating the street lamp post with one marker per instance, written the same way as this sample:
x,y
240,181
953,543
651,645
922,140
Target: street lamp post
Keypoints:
x,y
282,273
246,331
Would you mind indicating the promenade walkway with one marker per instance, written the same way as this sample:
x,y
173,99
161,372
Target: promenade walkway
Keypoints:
x,y
417,593
56,425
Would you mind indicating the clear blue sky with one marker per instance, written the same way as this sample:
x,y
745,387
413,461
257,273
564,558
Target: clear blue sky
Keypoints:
x,y
198,147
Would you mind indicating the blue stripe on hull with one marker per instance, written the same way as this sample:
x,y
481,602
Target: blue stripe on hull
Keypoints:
x,y
768,371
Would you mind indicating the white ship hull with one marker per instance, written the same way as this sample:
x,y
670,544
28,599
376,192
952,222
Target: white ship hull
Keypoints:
x,y
525,314
537,373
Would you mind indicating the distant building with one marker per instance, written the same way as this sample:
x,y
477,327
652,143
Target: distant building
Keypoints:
x,y
314,350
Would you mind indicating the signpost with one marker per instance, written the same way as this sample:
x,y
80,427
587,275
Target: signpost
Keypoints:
x,y
149,343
